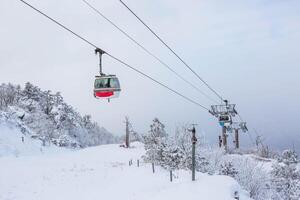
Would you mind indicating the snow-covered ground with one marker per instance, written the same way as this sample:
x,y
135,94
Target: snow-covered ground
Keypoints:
x,y
11,143
103,173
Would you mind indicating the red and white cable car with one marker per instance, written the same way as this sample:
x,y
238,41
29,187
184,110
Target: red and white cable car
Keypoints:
x,y
106,86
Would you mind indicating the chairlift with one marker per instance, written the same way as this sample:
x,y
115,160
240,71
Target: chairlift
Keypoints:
x,y
105,86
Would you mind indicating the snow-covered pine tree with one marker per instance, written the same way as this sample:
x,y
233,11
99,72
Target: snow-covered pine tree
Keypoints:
x,y
155,142
286,177
47,102
228,169
172,155
49,118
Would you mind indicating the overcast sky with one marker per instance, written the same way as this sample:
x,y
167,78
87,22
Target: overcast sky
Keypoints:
x,y
246,50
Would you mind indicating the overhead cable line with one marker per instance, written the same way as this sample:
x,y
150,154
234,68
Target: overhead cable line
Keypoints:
x,y
146,50
251,138
149,77
179,57
166,45
115,58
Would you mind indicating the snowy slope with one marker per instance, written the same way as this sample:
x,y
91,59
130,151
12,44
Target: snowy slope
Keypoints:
x,y
46,116
103,173
11,143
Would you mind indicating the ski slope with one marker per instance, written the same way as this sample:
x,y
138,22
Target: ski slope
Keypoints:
x,y
11,143
103,173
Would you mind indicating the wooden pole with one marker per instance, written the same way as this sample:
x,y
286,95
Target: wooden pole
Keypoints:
x,y
171,176
236,195
153,170
194,140
127,133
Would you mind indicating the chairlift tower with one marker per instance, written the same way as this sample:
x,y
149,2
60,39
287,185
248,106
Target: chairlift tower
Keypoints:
x,y
224,113
235,127
194,141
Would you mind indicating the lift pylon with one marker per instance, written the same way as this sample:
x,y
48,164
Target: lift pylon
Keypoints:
x,y
224,113
235,127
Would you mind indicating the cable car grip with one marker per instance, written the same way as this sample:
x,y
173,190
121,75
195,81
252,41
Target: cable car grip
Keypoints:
x,y
100,52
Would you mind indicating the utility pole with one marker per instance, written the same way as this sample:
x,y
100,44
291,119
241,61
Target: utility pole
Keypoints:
x,y
127,142
194,141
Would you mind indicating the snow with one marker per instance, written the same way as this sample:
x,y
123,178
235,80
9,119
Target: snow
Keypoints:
x,y
11,143
102,172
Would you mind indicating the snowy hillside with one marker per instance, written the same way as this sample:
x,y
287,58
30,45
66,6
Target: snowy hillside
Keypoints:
x,y
15,143
49,151
47,117
103,173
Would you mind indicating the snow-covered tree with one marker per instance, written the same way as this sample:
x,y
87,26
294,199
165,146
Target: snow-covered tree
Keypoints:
x,y
9,95
155,142
47,102
288,157
286,177
157,129
252,177
228,169
183,138
49,117
172,152
172,156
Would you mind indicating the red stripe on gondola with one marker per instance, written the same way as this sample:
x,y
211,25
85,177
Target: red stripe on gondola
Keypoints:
x,y
104,94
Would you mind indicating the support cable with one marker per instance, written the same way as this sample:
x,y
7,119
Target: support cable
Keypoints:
x,y
115,58
166,45
146,50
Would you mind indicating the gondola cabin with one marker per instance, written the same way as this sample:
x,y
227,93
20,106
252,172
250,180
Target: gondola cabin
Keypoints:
x,y
106,87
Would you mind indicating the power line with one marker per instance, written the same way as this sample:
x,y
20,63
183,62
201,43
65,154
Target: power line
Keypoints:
x,y
166,45
115,58
146,50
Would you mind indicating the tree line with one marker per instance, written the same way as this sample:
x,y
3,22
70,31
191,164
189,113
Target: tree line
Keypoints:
x,y
45,115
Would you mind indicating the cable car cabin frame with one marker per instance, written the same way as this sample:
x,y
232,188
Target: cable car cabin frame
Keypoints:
x,y
224,113
106,87
225,120
237,126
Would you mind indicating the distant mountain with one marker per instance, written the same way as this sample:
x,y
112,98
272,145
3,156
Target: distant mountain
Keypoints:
x,y
46,116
